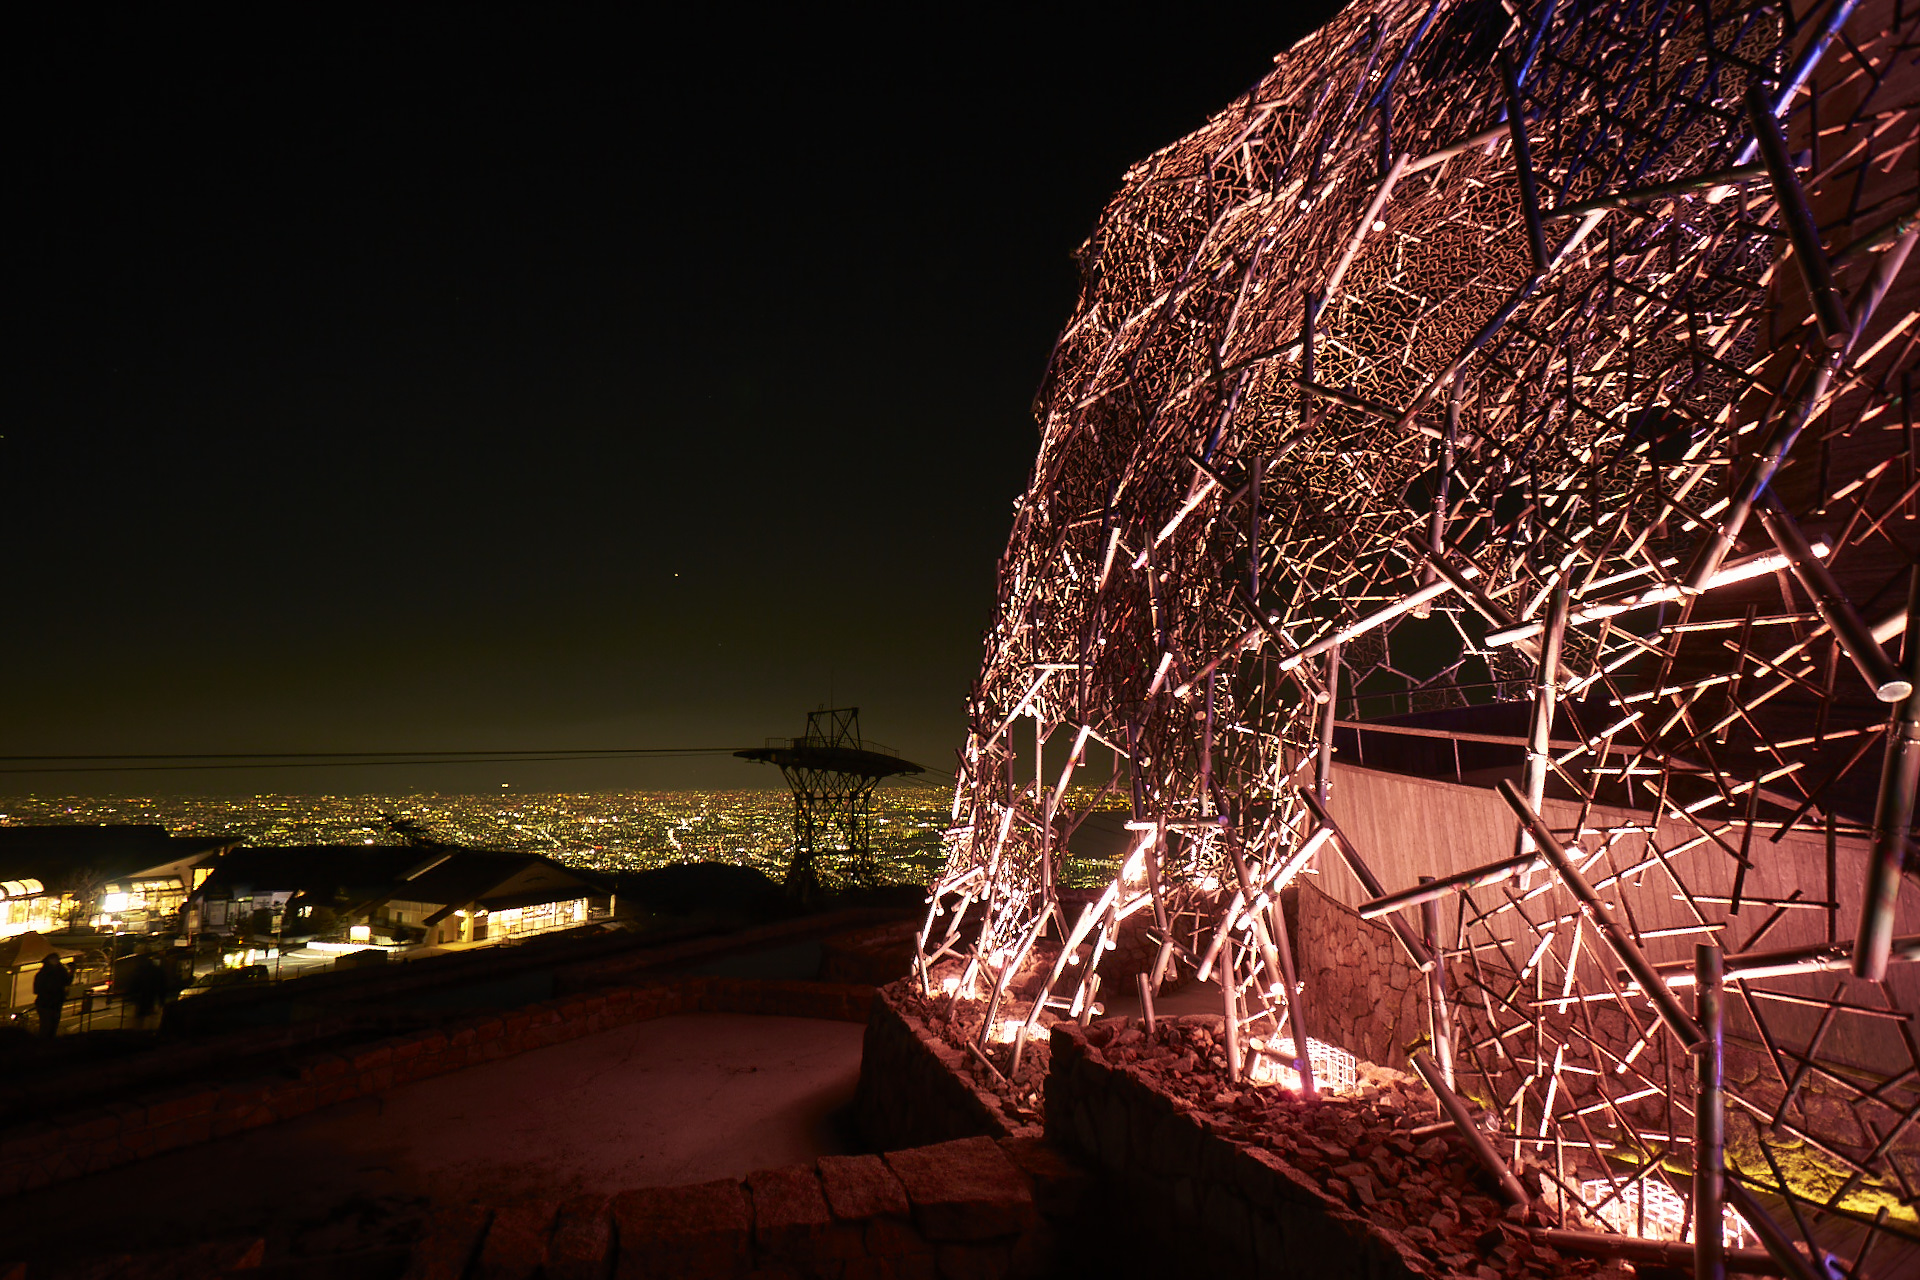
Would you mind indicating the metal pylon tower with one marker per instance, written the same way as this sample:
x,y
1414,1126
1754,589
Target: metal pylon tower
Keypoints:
x,y
832,773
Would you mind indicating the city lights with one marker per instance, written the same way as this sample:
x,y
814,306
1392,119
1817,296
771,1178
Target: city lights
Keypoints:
x,y
603,831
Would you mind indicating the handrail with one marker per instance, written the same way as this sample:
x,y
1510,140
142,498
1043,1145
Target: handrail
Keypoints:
x,y
859,744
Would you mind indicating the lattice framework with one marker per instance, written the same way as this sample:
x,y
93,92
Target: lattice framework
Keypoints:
x,y
1548,355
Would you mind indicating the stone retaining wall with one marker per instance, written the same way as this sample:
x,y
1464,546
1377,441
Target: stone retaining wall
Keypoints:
x,y
146,1069
626,965
76,1144
916,1089
873,957
1203,1201
369,1004
1362,992
969,1208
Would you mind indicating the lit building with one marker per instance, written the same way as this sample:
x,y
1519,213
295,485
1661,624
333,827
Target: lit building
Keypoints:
x,y
388,895
20,959
26,905
489,897
123,878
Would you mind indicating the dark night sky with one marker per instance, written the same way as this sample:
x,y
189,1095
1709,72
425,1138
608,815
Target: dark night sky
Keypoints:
x,y
465,378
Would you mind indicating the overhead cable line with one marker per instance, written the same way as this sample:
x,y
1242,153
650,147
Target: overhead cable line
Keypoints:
x,y
329,760
419,751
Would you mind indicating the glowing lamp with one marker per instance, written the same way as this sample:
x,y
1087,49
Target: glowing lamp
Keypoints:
x,y
1271,1062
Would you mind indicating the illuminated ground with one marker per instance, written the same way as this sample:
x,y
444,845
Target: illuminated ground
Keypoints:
x,y
677,1100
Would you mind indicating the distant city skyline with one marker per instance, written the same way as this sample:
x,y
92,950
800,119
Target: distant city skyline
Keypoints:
x,y
604,831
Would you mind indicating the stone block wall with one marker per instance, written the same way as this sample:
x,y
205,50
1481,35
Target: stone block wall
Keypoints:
x,y
240,1256
207,1034
872,957
915,1088
627,965
75,1144
1365,996
969,1208
1362,992
1200,1200
167,1061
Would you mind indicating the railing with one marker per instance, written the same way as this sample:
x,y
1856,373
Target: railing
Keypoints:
x,y
858,744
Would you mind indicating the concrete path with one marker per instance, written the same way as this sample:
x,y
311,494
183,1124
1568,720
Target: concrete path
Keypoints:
x,y
681,1099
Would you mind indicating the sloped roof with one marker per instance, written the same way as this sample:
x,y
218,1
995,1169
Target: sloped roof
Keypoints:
x,y
56,853
364,876
324,871
496,881
23,949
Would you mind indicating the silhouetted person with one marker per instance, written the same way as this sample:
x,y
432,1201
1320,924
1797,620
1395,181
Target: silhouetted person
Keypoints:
x,y
146,986
49,993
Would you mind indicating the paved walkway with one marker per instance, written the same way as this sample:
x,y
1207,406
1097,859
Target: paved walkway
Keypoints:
x,y
680,1099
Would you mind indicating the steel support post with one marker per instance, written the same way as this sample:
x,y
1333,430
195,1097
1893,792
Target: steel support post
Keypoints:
x,y
1540,727
1438,1009
1624,948
1780,1247
1457,1112
1893,812
1370,883
1709,1118
1323,776
1855,637
1296,1002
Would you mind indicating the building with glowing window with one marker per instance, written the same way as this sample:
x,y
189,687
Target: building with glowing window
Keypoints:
x,y
389,895
122,878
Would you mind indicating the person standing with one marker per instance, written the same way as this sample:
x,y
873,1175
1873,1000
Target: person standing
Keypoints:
x,y
50,993
146,986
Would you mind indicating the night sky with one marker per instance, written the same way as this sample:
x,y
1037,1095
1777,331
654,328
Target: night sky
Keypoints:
x,y
476,379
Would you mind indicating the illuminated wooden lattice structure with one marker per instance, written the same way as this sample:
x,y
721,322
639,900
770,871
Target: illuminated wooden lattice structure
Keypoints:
x,y
1551,358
